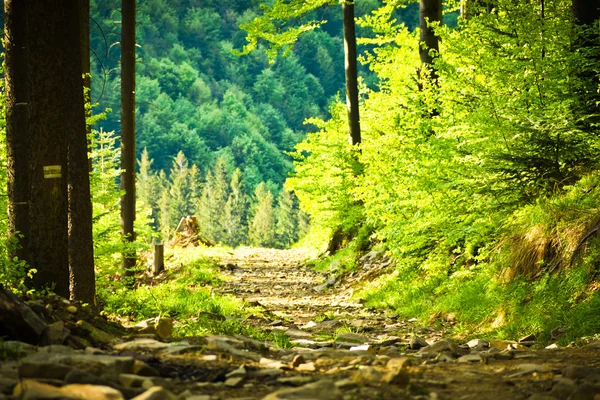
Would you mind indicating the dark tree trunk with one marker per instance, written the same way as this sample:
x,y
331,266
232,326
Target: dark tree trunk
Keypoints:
x,y
429,11
585,12
128,127
81,247
473,8
56,115
17,112
351,73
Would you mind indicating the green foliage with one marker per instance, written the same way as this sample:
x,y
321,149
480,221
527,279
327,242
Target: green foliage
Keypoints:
x,y
261,229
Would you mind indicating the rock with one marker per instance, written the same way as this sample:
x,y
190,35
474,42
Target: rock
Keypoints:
x,y
156,393
579,372
297,333
417,342
71,309
298,359
7,385
141,344
32,390
367,376
503,344
56,349
267,373
234,382
41,369
56,333
92,392
398,376
19,321
470,358
478,344
585,391
306,367
351,337
364,347
143,369
16,349
327,326
526,369
320,390
272,363
563,388
131,380
327,284
296,380
237,373
97,335
528,338
441,346
553,346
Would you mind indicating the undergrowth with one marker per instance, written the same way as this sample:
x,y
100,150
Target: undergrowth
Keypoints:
x,y
185,295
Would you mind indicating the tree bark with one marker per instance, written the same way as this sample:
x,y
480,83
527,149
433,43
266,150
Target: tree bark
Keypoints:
x,y
351,73
585,12
56,115
128,128
429,11
17,103
81,246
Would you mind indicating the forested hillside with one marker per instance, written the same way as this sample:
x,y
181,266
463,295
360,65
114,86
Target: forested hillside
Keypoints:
x,y
199,105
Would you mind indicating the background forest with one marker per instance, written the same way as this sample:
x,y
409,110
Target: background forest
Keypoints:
x,y
477,171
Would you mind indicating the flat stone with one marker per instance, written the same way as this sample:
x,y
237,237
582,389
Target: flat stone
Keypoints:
x,y
297,333
298,359
267,373
32,390
327,326
526,369
234,382
470,358
141,344
41,369
131,380
320,390
399,363
364,347
351,337
156,393
441,346
311,344
236,373
56,333
503,344
398,376
143,369
296,380
307,367
92,392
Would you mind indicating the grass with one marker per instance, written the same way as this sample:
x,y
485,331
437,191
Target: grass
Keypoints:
x,y
186,296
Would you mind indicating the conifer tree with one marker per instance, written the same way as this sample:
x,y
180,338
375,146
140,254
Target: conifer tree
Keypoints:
x,y
262,225
235,212
286,220
147,186
211,209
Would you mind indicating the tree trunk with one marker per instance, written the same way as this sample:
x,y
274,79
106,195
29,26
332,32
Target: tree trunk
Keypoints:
x,y
56,114
429,11
81,246
17,99
128,128
351,73
585,12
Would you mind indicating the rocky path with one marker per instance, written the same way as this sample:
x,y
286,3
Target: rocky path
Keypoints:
x,y
341,351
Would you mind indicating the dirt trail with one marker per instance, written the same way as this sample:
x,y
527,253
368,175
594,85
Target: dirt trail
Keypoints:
x,y
280,283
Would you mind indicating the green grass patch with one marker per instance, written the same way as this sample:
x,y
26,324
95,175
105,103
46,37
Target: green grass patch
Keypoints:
x,y
186,296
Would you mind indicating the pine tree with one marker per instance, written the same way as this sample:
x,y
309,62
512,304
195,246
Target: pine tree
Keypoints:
x,y
147,187
286,215
211,210
262,225
235,212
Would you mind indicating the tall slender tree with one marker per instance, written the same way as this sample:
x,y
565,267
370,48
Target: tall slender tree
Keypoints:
x,y
17,103
128,128
351,73
81,246
430,11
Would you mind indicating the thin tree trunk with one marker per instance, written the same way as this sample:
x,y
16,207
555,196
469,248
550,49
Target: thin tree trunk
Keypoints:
x,y
56,115
17,99
128,127
429,11
81,247
351,73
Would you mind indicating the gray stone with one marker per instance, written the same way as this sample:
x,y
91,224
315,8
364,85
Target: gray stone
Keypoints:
x,y
141,344
234,382
441,346
478,344
563,388
417,342
41,369
56,349
131,380
143,369
56,333
297,333
327,326
585,391
351,337
470,358
526,369
321,390
267,373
